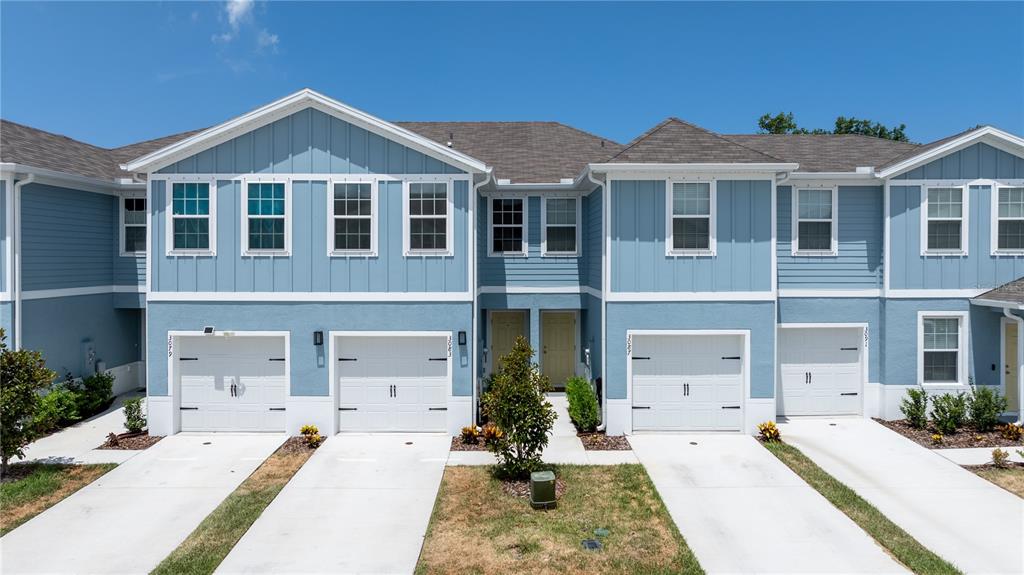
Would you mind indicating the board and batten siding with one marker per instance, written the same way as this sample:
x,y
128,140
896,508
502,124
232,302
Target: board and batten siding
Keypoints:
x,y
859,263
593,237
309,268
976,161
529,270
310,142
743,258
4,239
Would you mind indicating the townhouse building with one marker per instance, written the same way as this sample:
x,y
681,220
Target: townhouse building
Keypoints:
x,y
308,262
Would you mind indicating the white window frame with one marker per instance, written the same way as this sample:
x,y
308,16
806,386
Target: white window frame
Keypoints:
x,y
374,218
964,220
796,219
712,223
122,246
169,217
490,225
244,199
994,190
963,353
449,219
544,251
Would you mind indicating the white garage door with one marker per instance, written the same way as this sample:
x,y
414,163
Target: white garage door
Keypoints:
x,y
392,383
231,383
687,382
820,370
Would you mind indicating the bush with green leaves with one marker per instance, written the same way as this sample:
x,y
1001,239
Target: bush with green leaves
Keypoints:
x,y
915,407
584,410
984,407
57,409
949,412
134,418
515,403
97,393
23,376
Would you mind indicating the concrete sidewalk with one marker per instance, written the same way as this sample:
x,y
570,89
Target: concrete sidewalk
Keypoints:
x,y
966,520
742,510
131,518
77,443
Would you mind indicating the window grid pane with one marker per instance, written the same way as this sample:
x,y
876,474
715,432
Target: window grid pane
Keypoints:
x,y
428,199
1011,234
945,202
691,233
561,211
266,233
942,333
191,199
507,225
691,199
561,239
940,366
191,233
134,239
814,236
353,212
944,235
815,205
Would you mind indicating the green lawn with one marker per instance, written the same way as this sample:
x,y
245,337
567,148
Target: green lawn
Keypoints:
x,y
31,488
210,542
477,527
898,542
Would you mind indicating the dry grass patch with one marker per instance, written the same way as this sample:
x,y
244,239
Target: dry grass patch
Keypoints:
x,y
31,488
1009,478
477,528
213,539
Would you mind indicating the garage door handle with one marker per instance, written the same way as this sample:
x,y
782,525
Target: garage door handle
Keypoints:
x,y
850,393
438,359
730,407
849,348
189,408
347,359
641,407
277,359
188,359
437,409
730,357
639,358
348,409
276,409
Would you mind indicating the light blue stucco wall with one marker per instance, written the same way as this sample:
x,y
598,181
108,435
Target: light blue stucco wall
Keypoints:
x,y
976,161
60,328
743,260
859,263
309,268
530,270
841,310
309,369
979,269
310,142
758,317
591,333
593,237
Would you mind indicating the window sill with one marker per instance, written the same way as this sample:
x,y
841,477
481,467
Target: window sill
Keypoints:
x,y
133,255
175,253
1008,253
427,254
815,254
943,385
266,254
507,255
941,254
560,254
691,254
351,254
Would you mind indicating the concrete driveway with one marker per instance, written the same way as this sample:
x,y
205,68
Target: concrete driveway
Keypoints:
x,y
361,504
965,519
743,511
131,518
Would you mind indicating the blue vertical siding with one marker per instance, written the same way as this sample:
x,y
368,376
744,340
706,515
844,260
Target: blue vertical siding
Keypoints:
x,y
4,239
743,260
979,269
841,310
976,161
309,268
310,142
591,333
859,263
532,269
593,237
308,367
66,238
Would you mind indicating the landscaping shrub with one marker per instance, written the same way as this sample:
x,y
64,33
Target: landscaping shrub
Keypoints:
x,y
56,409
584,410
491,433
769,431
937,438
23,375
311,434
1012,431
949,412
470,433
516,404
134,419
984,407
97,394
915,407
1000,458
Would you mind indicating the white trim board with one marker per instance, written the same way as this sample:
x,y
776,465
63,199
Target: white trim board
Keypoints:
x,y
80,291
963,347
683,297
827,293
989,135
424,297
539,290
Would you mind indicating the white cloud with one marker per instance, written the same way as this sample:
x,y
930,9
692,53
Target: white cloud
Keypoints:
x,y
267,40
238,11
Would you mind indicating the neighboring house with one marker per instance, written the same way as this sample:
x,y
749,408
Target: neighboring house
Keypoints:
x,y
310,263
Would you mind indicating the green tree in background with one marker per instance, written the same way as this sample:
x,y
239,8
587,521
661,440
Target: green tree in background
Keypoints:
x,y
784,123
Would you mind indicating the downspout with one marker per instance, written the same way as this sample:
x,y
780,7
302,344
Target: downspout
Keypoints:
x,y
16,280
473,289
1020,356
604,308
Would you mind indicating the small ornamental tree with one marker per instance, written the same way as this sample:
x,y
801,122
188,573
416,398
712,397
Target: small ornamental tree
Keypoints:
x,y
516,404
23,375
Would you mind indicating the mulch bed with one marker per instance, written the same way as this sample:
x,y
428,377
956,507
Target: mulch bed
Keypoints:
x,y
295,444
597,441
1009,465
459,445
133,441
521,488
963,438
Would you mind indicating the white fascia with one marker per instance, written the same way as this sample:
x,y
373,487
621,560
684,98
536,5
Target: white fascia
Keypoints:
x,y
731,168
847,178
993,136
64,180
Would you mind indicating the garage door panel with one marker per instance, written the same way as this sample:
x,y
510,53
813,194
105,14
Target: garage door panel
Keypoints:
x,y
820,371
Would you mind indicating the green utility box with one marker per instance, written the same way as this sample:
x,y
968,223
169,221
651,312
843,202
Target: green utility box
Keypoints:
x,y
542,490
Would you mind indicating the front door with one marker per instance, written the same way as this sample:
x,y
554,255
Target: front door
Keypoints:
x,y
506,326
1010,372
558,343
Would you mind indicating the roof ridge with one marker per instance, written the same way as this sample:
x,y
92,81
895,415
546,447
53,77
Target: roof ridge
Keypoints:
x,y
642,137
588,133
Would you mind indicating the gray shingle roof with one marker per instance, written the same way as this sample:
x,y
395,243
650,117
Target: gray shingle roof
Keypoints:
x,y
674,141
827,152
1012,292
21,144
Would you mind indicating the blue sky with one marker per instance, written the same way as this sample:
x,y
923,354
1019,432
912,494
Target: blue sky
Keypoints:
x,y
116,73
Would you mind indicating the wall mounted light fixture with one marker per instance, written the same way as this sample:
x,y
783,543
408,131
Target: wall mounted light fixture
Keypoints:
x,y
318,338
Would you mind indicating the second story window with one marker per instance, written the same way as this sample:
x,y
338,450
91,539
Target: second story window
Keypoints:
x,y
428,219
508,227
815,222
191,228
266,218
133,226
354,219
560,226
944,220
692,220
1010,220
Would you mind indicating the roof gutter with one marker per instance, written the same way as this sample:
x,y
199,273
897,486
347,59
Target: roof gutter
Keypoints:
x,y
44,175
701,167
